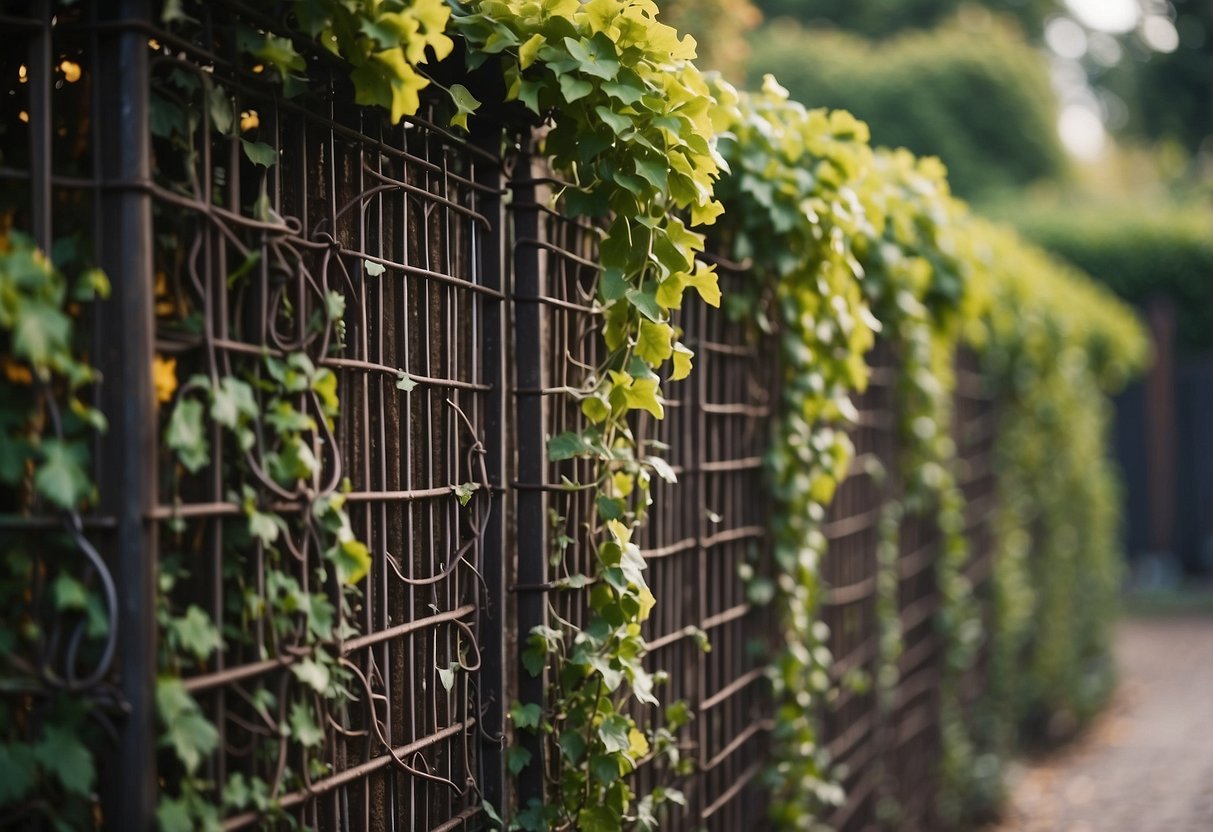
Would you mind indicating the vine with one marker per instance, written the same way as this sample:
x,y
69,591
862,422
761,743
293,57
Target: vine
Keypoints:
x,y
57,634
629,122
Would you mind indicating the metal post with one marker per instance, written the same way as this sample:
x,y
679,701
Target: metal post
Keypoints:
x,y
531,454
128,454
493,675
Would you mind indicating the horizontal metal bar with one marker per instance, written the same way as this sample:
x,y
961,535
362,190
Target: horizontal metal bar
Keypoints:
x,y
732,791
740,683
350,774
198,684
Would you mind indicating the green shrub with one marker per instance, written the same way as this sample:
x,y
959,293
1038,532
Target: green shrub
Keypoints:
x,y
981,101
1138,253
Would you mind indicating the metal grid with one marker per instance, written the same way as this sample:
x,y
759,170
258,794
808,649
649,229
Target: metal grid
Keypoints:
x,y
66,179
975,429
402,223
697,535
852,728
705,535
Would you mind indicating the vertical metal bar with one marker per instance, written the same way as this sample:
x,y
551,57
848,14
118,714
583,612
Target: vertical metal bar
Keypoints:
x,y
128,456
530,503
490,253
41,78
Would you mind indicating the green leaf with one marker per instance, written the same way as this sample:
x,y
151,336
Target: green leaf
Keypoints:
x,y
304,728
598,819
259,153
653,342
352,560
682,362
528,50
566,446
186,436
463,491
40,333
646,302
372,268
405,382
604,768
184,728
526,716
196,633
17,772
516,759
313,674
69,593
573,88
614,733
61,477
618,123
280,53
572,746
219,104
465,105
446,675
594,57
642,394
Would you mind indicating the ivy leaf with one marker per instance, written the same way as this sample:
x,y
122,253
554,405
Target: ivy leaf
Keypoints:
x,y
60,752
446,675
598,819
372,268
653,342
464,490
303,726
69,593
572,746
572,88
682,362
526,716
61,477
594,57
604,768
280,53
528,50
405,382
17,771
219,105
40,333
642,394
614,733
566,446
185,729
196,633
516,759
186,437
646,302
352,560
313,674
465,105
260,153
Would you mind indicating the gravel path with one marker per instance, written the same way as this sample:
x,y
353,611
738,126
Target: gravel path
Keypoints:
x,y
1147,763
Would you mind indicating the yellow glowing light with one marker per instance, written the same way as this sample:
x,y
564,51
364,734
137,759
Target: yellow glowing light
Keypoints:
x,y
152,43
22,74
24,116
249,121
71,71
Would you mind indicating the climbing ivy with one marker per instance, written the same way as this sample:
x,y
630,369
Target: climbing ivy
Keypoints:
x,y
57,630
628,123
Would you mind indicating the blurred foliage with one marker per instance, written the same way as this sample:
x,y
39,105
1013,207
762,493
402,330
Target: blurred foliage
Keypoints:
x,y
1138,253
719,28
880,18
980,100
1168,95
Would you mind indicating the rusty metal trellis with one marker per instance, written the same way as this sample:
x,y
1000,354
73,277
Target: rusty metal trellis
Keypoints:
x,y
218,263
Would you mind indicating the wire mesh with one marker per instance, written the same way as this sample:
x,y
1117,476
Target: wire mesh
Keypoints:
x,y
369,249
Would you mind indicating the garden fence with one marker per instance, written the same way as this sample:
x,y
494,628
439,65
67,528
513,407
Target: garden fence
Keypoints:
x,y
454,270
